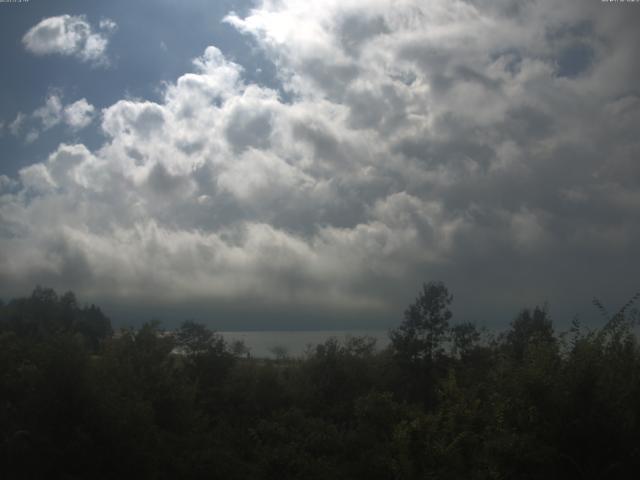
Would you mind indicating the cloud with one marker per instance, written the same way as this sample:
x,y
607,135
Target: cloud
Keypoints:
x,y
79,114
7,184
108,25
50,114
15,127
31,136
462,142
75,116
70,35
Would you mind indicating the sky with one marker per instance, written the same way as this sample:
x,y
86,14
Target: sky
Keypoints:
x,y
275,164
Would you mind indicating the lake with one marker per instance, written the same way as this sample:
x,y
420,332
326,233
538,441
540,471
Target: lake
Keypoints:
x,y
295,343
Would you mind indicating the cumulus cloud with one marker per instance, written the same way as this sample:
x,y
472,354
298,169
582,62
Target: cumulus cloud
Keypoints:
x,y
70,35
75,116
79,114
484,145
50,114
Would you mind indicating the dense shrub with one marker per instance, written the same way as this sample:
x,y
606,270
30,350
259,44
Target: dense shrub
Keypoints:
x,y
442,401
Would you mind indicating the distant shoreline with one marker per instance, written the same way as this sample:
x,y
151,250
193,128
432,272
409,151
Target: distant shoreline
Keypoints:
x,y
295,342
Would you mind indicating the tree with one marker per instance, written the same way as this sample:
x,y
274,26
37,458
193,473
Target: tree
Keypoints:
x,y
531,328
464,338
280,352
207,360
196,339
240,349
425,325
45,314
93,325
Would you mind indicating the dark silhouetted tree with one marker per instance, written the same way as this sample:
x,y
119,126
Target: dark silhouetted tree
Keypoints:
x,y
196,339
530,329
464,337
425,326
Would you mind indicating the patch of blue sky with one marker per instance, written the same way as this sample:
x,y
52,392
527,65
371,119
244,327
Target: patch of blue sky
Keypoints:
x,y
155,42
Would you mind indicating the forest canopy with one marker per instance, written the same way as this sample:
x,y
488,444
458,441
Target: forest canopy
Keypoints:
x,y
443,400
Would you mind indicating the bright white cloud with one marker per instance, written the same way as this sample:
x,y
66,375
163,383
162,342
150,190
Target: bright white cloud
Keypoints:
x,y
70,35
79,114
448,140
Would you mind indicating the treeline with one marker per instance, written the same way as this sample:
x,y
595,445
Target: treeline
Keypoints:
x,y
443,401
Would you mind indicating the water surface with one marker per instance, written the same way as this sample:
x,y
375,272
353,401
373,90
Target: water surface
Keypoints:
x,y
295,343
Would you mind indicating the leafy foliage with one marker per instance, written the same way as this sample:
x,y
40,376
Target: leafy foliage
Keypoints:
x,y
426,324
446,402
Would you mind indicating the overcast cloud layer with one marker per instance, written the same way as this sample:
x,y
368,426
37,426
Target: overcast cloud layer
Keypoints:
x,y
492,145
